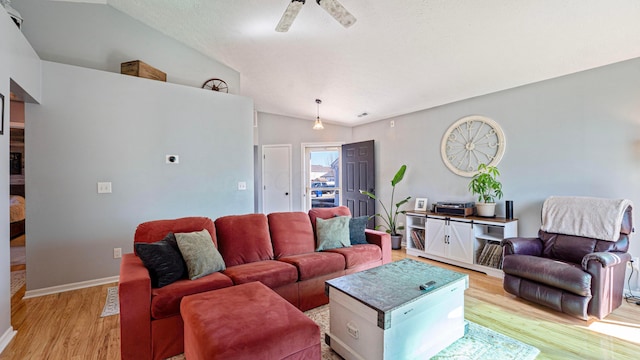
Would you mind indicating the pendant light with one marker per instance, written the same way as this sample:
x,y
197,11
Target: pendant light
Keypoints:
x,y
317,125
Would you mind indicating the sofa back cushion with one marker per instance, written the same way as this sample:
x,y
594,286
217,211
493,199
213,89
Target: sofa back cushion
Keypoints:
x,y
244,239
156,230
327,213
291,233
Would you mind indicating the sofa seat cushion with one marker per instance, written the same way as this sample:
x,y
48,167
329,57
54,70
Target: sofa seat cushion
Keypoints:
x,y
555,273
269,272
165,301
359,254
315,264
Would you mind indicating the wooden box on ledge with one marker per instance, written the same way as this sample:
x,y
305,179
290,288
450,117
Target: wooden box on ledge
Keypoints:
x,y
143,70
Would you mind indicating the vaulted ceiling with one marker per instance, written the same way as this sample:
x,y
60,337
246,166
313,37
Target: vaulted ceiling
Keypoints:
x,y
400,56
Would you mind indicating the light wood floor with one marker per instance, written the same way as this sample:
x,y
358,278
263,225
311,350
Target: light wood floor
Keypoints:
x,y
68,325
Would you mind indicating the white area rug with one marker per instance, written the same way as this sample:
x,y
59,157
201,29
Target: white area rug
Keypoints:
x,y
18,280
112,304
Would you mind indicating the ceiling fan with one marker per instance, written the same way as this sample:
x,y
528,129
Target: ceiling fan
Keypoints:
x,y
333,7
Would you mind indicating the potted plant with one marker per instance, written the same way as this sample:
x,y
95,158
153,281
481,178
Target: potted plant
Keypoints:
x,y
485,184
391,214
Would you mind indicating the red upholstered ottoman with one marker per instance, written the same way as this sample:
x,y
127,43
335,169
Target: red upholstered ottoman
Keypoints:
x,y
248,321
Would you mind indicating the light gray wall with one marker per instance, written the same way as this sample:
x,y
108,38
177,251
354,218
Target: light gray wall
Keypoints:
x,y
574,135
120,132
20,72
97,36
276,129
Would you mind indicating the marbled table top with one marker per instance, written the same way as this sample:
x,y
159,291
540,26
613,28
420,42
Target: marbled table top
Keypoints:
x,y
392,285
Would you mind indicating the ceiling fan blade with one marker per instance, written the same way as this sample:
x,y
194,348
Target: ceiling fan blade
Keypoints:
x,y
289,15
335,9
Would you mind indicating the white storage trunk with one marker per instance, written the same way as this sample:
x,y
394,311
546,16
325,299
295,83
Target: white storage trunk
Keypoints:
x,y
416,329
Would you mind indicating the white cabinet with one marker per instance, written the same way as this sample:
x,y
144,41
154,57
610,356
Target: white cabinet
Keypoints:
x,y
450,238
471,242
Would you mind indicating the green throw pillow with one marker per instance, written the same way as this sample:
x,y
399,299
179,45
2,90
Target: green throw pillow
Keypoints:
x,y
200,254
333,233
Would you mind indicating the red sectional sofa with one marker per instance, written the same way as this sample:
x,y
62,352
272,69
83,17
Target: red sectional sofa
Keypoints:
x,y
276,249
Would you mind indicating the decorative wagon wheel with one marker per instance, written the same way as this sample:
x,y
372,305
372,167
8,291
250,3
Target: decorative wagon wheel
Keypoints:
x,y
216,85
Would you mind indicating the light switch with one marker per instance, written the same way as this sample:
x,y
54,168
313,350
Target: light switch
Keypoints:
x,y
104,188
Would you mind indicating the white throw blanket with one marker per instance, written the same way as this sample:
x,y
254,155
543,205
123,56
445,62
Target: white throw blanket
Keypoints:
x,y
584,216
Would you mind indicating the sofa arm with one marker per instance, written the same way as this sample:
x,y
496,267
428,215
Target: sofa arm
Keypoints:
x,y
383,240
134,293
522,246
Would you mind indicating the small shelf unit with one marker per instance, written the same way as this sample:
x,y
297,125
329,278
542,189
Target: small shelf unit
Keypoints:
x,y
471,242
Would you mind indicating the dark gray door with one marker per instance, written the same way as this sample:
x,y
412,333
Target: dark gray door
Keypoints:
x,y
358,173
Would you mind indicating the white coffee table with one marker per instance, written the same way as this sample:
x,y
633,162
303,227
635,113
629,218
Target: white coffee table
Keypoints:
x,y
381,313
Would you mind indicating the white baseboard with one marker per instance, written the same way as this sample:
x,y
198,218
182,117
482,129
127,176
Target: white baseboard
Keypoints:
x,y
68,287
6,338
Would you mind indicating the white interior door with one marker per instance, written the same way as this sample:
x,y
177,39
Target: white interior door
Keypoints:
x,y
276,178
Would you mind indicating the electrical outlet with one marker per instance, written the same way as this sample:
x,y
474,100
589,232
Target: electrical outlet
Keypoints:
x,y
104,187
117,253
636,263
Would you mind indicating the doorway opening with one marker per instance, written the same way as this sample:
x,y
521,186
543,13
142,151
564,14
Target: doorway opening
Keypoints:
x,y
17,195
321,180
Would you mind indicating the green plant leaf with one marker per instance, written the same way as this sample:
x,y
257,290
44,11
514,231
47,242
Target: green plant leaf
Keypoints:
x,y
399,175
403,202
390,214
368,194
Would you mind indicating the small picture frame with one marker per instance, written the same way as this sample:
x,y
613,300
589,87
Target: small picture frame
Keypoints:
x,y
421,204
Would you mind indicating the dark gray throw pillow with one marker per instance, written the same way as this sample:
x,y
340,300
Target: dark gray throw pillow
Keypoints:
x,y
356,230
163,260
